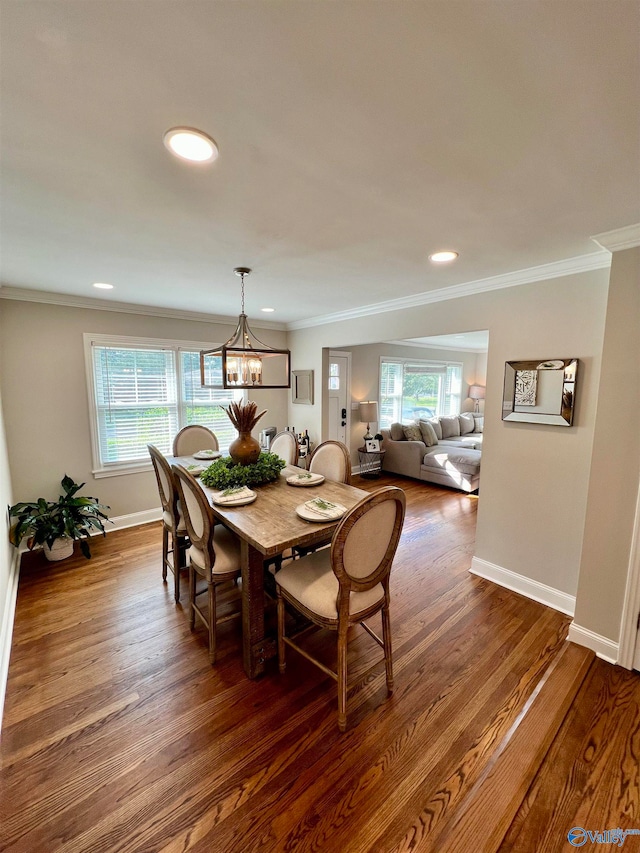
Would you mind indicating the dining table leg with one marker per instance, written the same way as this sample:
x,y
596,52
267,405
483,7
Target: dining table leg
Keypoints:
x,y
256,647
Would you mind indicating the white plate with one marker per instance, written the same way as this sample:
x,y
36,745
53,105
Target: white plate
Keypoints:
x,y
245,499
305,479
207,454
308,514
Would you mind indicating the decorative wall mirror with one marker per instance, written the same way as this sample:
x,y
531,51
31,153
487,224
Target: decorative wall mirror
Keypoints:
x,y
302,386
540,392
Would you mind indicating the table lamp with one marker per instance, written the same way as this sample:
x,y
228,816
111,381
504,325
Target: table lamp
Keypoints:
x,y
476,393
368,411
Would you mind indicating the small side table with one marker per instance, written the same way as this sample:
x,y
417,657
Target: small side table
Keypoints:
x,y
371,463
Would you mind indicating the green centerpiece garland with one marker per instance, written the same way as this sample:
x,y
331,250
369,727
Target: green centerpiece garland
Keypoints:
x,y
225,473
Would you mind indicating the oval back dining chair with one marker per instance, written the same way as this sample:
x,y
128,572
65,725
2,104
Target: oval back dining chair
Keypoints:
x,y
173,525
193,438
342,586
332,460
285,445
213,556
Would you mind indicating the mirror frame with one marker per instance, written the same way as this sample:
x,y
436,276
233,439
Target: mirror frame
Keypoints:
x,y
302,387
565,404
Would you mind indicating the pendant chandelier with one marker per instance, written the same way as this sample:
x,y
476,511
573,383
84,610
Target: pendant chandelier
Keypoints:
x,y
244,361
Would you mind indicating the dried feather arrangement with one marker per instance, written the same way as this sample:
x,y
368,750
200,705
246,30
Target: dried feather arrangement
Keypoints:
x,y
243,415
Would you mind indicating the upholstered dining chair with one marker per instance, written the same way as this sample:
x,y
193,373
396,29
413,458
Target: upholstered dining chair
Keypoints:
x,y
285,445
174,531
347,584
192,438
212,556
332,460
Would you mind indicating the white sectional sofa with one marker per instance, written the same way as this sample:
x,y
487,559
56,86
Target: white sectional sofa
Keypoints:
x,y
447,452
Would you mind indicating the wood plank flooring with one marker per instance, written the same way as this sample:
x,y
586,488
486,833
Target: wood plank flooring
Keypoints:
x,y
119,736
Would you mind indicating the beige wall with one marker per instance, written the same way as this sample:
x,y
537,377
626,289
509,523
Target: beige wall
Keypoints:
x,y
42,375
6,551
365,377
615,468
534,477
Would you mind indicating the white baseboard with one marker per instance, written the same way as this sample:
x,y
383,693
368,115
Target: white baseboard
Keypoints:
x,y
525,586
133,519
6,626
602,646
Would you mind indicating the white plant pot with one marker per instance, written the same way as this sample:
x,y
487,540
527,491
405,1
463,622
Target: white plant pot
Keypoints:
x,y
60,549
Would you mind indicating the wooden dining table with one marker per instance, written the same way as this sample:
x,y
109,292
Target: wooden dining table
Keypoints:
x,y
266,528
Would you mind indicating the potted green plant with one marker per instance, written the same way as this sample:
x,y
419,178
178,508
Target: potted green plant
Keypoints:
x,y
56,525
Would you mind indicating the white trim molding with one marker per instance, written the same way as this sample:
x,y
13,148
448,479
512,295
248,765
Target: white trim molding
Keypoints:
x,y
133,519
557,269
602,646
631,608
619,239
27,294
535,590
6,626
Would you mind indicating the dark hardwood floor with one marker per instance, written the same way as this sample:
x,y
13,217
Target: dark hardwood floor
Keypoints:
x,y
119,736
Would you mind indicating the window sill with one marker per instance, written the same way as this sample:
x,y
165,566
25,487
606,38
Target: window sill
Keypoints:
x,y
120,470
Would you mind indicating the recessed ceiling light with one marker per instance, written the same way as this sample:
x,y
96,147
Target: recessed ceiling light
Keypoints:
x,y
268,310
443,257
102,285
191,144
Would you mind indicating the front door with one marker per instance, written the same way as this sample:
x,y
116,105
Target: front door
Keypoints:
x,y
338,396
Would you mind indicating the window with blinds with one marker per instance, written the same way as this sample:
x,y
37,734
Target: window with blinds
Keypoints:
x,y
411,389
144,394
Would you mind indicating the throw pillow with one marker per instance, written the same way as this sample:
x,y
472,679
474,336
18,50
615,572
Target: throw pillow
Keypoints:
x,y
412,432
435,423
428,433
396,432
479,425
467,423
450,427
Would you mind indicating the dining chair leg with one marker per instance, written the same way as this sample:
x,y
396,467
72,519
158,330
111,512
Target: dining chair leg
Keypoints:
x,y
282,663
192,597
211,587
342,677
386,640
165,552
179,562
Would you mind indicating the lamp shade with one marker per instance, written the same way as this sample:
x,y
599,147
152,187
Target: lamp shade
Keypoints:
x,y
476,392
368,411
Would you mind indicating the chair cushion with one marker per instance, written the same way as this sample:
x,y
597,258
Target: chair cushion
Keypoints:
x,y
311,581
227,548
181,530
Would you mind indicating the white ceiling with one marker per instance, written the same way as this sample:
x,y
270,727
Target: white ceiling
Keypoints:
x,y
465,341
355,138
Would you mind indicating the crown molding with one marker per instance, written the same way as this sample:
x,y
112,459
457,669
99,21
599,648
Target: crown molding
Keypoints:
x,y
24,294
450,348
619,239
557,269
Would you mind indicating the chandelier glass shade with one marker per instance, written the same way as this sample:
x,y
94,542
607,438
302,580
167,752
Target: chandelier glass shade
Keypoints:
x,y
244,361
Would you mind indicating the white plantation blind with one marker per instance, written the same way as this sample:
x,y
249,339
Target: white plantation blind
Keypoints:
x,y
410,389
145,394
202,405
136,401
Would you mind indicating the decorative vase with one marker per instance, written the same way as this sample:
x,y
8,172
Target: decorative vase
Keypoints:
x,y
245,449
60,549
